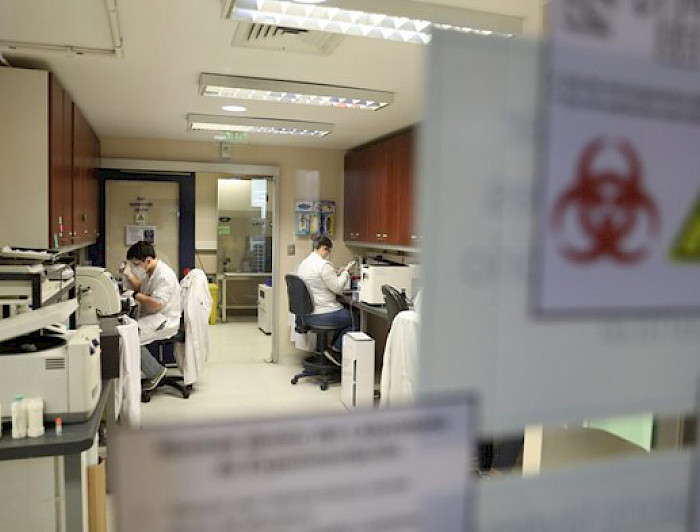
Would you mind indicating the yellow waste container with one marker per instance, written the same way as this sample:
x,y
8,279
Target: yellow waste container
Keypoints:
x,y
214,291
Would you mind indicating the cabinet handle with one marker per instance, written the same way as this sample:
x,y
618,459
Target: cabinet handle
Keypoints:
x,y
414,237
385,235
379,235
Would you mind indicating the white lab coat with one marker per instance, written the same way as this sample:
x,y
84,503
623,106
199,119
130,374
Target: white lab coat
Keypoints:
x,y
303,341
127,395
400,360
196,305
162,285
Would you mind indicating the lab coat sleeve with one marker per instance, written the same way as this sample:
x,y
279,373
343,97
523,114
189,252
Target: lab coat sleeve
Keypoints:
x,y
128,394
334,282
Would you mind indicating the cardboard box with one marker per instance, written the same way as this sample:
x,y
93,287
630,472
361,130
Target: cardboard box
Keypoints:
x,y
97,497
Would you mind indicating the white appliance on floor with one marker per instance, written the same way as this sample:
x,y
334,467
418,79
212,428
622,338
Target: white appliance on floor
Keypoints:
x,y
357,377
265,308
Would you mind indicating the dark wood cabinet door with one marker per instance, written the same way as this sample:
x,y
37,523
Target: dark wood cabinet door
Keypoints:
x,y
400,199
60,160
82,184
350,197
376,190
92,194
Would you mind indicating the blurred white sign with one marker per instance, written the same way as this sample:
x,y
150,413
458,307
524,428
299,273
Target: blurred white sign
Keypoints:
x,y
404,470
622,165
480,331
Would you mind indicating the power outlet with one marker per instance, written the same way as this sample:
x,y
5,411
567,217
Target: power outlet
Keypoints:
x,y
291,250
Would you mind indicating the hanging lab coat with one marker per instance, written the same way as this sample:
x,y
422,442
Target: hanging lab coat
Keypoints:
x,y
400,360
196,306
127,395
163,286
303,341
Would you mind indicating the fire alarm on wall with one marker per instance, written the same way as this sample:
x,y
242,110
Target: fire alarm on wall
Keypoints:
x,y
225,150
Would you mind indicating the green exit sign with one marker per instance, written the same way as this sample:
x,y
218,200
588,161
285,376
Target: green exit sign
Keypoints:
x,y
237,137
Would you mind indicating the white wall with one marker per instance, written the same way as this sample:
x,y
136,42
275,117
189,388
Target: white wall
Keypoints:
x,y
24,157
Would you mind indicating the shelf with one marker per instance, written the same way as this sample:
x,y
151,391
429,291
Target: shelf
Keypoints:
x,y
52,291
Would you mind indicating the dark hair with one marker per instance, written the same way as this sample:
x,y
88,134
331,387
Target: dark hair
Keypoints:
x,y
322,240
141,251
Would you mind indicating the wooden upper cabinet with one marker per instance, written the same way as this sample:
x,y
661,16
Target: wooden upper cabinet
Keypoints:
x,y
401,184
60,162
85,189
379,183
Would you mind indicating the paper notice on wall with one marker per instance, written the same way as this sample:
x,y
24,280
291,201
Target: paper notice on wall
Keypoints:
x,y
138,233
399,470
620,226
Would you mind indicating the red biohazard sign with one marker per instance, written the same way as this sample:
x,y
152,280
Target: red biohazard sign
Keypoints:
x,y
607,206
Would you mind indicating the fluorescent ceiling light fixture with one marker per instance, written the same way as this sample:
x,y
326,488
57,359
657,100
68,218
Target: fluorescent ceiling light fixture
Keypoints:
x,y
234,108
272,126
401,20
273,90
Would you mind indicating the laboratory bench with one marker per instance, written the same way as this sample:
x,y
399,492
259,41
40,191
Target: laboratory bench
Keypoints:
x,y
225,278
76,438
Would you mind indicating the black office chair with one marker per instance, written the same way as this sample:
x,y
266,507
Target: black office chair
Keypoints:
x,y
301,305
395,302
164,352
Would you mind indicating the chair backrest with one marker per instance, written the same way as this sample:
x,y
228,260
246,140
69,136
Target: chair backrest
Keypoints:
x,y
395,302
300,302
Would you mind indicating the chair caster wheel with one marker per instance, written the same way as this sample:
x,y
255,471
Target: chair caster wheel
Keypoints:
x,y
295,380
324,386
145,398
186,395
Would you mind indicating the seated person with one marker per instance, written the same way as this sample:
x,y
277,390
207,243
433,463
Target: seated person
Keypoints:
x,y
324,283
157,290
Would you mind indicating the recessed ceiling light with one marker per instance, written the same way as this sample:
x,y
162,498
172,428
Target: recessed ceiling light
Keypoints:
x,y
393,20
234,108
309,1
275,90
272,126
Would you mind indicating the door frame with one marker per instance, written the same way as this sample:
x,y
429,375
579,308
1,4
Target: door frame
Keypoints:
x,y
249,170
186,188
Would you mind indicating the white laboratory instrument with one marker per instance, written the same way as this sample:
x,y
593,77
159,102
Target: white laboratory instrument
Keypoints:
x,y
104,291
374,276
265,308
63,369
357,377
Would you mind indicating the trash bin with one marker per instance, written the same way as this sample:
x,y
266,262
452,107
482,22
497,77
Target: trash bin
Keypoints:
x,y
214,291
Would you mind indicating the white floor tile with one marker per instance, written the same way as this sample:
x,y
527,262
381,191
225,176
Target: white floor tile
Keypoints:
x,y
239,382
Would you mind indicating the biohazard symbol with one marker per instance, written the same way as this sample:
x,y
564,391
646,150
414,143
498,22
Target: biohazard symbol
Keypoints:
x,y
608,206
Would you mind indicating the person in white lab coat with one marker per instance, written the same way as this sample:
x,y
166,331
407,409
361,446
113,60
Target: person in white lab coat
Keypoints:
x,y
157,290
324,284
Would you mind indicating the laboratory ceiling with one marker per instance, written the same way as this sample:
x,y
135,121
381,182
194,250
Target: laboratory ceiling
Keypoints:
x,y
167,44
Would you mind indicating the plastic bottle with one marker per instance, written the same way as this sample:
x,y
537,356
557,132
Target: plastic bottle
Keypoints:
x,y
19,418
35,417
59,426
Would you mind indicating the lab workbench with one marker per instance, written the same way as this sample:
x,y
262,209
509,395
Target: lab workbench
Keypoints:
x,y
236,276
76,438
364,309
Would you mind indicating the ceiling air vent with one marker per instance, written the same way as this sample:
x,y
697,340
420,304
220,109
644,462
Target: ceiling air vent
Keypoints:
x,y
283,39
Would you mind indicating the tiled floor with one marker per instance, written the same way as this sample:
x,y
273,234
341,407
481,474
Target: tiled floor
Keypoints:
x,y
238,382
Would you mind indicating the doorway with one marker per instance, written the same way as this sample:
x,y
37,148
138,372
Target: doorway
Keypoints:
x,y
245,243
142,206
